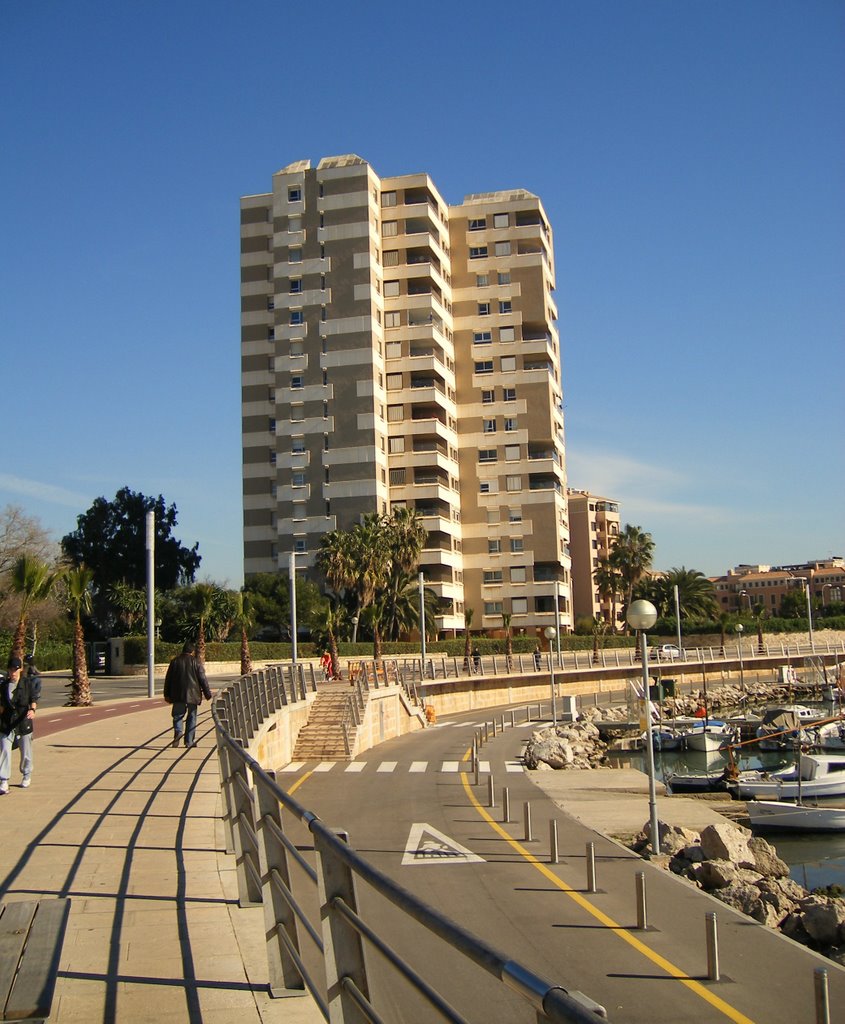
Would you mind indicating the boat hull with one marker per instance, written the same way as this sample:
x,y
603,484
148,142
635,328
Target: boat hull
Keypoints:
x,y
795,817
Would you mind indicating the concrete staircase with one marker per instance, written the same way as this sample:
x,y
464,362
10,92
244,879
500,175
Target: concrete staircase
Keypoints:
x,y
323,737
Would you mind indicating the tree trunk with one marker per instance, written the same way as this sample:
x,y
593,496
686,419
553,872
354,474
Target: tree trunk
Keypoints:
x,y
80,689
201,643
246,660
333,654
19,639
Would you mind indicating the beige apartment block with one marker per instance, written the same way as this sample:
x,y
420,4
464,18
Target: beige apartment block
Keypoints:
x,y
594,526
398,351
749,587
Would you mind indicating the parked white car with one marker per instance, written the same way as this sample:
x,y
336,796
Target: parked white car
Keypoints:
x,y
666,652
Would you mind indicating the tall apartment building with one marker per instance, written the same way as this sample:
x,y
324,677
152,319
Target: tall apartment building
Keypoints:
x,y
398,351
594,526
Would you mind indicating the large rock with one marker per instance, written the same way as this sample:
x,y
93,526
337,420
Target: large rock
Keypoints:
x,y
824,921
578,745
747,898
673,838
727,842
766,860
782,895
718,874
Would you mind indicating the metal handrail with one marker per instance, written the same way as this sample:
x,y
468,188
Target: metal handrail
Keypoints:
x,y
340,869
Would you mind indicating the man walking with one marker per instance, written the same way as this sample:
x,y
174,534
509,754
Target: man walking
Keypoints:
x,y
185,685
18,701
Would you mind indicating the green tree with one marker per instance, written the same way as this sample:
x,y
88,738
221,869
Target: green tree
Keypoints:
x,y
110,539
696,594
469,615
326,621
78,594
243,623
506,622
631,557
608,581
204,604
32,581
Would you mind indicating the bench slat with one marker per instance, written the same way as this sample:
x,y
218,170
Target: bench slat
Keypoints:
x,y
32,992
14,928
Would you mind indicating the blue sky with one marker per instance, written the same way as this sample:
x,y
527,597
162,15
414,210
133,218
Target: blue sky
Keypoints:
x,y
690,155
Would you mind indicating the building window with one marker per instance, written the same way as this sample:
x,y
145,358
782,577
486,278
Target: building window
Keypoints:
x,y
394,381
488,397
295,194
388,199
506,334
477,223
297,317
477,252
297,478
271,333
294,255
510,424
390,228
391,289
505,278
494,546
492,575
492,607
489,426
297,445
503,248
481,280
506,306
482,337
518,574
484,309
300,546
500,220
396,445
519,606
508,364
517,545
513,483
487,455
397,477
295,286
395,413
297,413
299,508
393,350
295,347
508,394
296,382
511,452
294,224
484,366
390,258
393,319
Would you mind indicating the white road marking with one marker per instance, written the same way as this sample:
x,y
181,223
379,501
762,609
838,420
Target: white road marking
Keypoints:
x,y
325,766
387,766
294,766
513,766
449,766
356,766
418,766
426,845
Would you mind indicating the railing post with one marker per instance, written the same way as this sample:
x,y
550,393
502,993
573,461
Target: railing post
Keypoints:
x,y
343,949
822,995
249,891
554,853
279,919
224,760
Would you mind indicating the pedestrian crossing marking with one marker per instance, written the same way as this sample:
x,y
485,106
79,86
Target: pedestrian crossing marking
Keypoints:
x,y
294,766
418,766
513,766
450,766
325,766
387,766
427,845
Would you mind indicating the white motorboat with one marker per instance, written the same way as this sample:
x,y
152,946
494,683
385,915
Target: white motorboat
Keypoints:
x,y
813,775
830,736
783,727
795,816
709,735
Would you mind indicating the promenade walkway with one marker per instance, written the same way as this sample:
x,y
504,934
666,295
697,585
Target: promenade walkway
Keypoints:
x,y
130,829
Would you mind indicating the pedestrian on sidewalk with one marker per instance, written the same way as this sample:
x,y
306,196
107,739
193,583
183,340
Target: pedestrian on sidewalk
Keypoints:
x,y
18,703
185,685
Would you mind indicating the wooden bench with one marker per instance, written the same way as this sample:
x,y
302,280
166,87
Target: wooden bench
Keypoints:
x,y
31,936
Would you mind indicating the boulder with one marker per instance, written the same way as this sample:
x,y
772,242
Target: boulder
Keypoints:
x,y
765,859
781,895
727,842
824,921
715,874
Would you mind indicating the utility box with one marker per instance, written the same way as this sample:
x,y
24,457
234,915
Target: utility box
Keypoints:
x,y
570,710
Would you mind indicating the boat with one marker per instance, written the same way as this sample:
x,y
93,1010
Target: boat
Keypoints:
x,y
813,775
830,736
798,817
709,735
696,782
782,727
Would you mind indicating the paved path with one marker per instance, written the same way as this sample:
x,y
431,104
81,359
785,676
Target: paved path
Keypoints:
x,y
129,828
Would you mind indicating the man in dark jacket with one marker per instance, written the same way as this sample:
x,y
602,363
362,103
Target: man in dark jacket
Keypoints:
x,y
185,685
18,701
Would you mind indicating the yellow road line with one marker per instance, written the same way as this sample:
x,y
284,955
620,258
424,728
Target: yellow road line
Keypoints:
x,y
299,781
619,930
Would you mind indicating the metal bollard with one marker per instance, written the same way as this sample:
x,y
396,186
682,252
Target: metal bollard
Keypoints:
x,y
712,947
493,723
486,732
529,838
591,867
513,718
554,856
822,995
642,919
491,794
527,714
502,724
476,772
506,805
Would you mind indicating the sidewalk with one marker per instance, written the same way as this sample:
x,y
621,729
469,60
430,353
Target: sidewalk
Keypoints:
x,y
130,829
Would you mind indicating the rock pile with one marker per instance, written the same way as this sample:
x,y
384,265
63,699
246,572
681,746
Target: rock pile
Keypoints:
x,y
570,745
745,872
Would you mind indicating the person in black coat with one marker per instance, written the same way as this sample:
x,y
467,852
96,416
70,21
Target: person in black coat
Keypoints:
x,y
18,703
185,685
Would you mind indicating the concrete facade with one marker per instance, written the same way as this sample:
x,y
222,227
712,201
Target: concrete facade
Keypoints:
x,y
594,526
399,351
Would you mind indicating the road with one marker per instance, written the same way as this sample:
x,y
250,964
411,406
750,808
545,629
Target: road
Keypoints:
x,y
411,808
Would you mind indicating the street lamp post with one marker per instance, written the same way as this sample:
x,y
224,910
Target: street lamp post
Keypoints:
x,y
739,629
551,633
806,583
641,616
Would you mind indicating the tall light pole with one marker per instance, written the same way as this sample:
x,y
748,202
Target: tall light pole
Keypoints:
x,y
422,622
641,616
806,583
292,571
151,604
551,633
678,615
739,629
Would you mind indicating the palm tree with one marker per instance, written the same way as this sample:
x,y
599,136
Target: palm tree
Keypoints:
x,y
204,603
506,622
244,621
131,604
631,556
326,621
760,614
469,614
725,620
34,581
696,594
399,607
78,593
608,582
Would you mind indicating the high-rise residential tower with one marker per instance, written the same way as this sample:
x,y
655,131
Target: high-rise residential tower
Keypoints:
x,y
398,351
